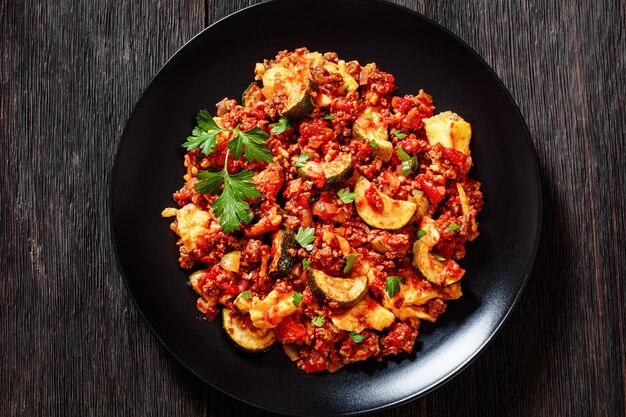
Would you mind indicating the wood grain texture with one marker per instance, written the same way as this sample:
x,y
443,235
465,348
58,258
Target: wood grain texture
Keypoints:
x,y
73,343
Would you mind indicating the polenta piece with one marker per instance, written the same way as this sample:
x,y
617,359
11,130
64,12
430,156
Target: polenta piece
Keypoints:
x,y
450,130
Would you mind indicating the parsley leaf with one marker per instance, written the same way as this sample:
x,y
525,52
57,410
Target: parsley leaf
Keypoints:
x,y
392,285
305,237
246,295
210,182
373,144
399,134
329,117
350,262
451,227
421,234
439,257
253,141
282,125
204,135
369,116
230,206
356,337
408,164
346,196
302,159
318,321
306,263
297,298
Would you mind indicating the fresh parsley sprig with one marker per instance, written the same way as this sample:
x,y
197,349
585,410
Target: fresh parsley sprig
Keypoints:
x,y
230,206
249,143
204,135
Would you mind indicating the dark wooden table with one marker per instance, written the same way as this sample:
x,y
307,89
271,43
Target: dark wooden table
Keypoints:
x,y
72,342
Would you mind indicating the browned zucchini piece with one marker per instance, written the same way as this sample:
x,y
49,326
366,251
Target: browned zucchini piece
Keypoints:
x,y
252,95
241,331
295,83
346,292
436,271
283,252
370,128
395,214
335,172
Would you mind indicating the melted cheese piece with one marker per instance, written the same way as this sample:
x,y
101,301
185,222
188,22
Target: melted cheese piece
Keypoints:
x,y
367,314
192,222
450,130
270,311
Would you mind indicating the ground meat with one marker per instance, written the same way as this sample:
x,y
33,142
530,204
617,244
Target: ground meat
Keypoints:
x,y
292,200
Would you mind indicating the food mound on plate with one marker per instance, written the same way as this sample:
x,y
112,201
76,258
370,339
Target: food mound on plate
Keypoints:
x,y
324,212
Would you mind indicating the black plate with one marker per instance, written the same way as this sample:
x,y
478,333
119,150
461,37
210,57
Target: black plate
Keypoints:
x,y
219,62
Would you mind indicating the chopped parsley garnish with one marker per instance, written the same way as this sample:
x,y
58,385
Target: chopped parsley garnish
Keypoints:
x,y
356,337
280,126
346,196
204,135
329,117
230,206
246,295
392,285
421,234
306,263
451,227
399,134
318,321
305,237
439,257
350,262
301,160
369,116
296,299
373,144
408,163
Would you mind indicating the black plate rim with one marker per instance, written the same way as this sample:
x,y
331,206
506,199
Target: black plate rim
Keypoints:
x,y
461,366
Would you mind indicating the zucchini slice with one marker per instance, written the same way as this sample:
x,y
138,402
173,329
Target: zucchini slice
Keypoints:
x,y
335,172
282,260
346,292
252,95
247,337
370,128
395,214
442,273
294,81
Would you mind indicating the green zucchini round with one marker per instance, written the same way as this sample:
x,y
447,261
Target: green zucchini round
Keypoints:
x,y
247,337
283,261
336,172
346,292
